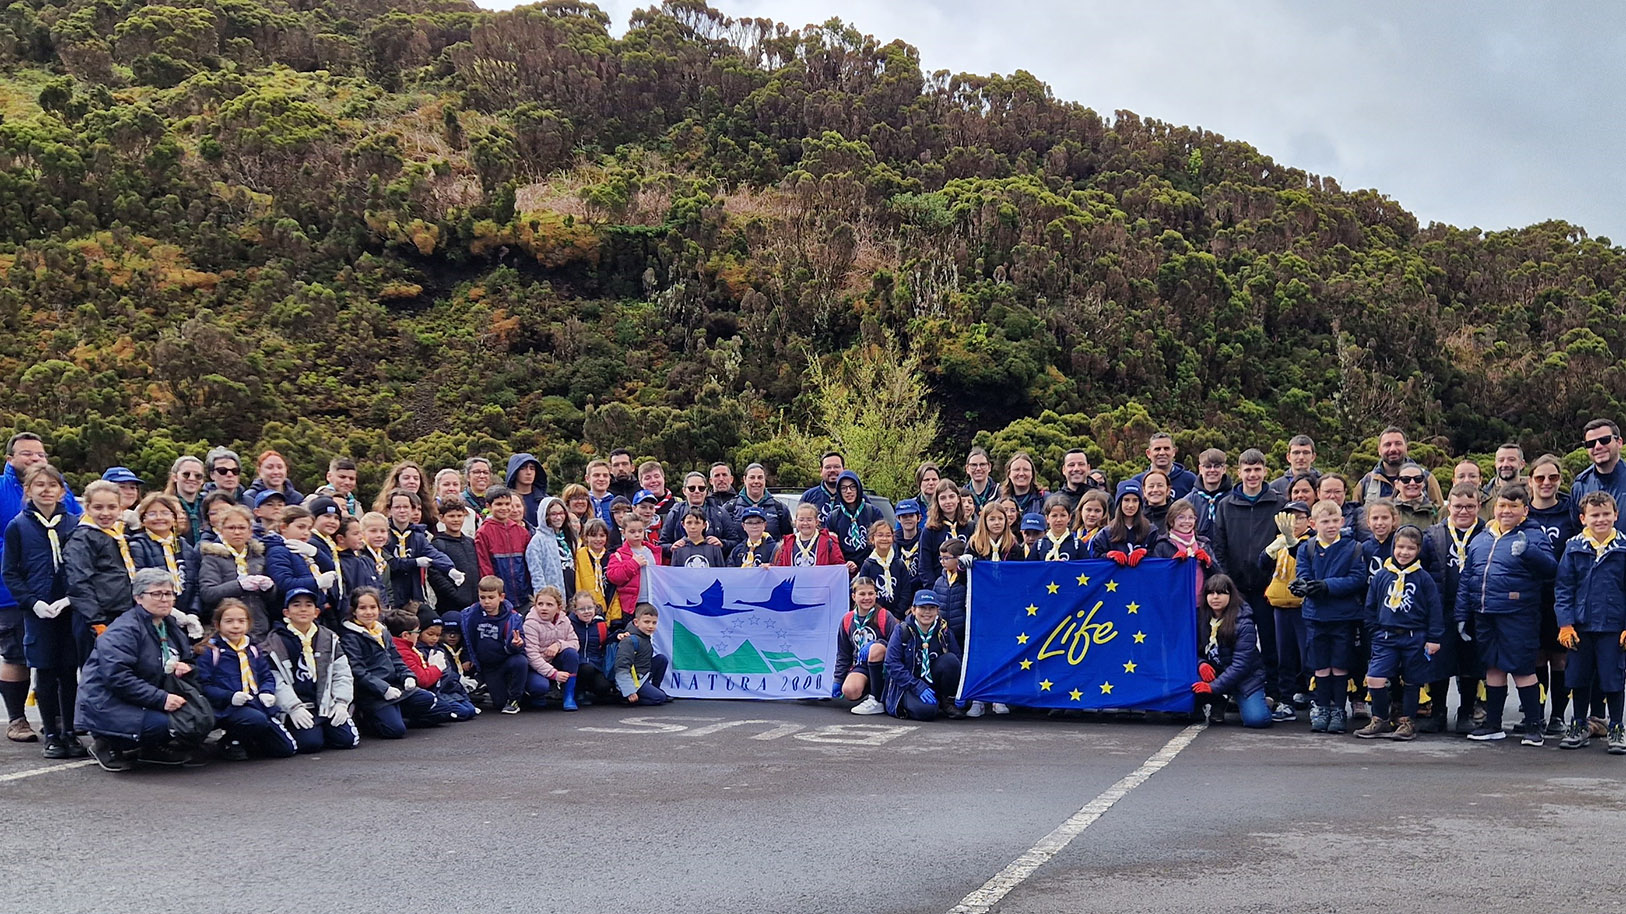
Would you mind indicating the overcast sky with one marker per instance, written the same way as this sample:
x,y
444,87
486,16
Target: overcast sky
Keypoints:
x,y
1491,114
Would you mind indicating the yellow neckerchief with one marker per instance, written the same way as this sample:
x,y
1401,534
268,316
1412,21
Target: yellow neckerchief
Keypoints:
x,y
1325,545
379,562
170,546
117,533
810,551
332,547
49,523
953,530
376,632
307,644
1054,553
1213,634
886,583
952,576
749,559
996,548
1599,546
596,562
402,550
245,670
1397,590
1459,541
310,560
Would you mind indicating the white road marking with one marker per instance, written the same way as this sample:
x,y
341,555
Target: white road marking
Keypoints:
x,y
19,775
980,901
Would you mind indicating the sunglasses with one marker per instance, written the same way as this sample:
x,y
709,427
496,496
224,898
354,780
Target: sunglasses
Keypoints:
x,y
1411,480
1544,478
226,471
694,488
190,475
1599,442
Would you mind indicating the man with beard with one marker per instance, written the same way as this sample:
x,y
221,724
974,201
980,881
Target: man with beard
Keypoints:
x,y
1602,442
721,478
1393,453
623,481
1509,469
823,496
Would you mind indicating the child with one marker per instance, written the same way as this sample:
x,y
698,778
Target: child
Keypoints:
x,y
452,594
268,504
292,561
454,687
861,647
942,524
1458,656
550,556
1094,507
950,587
314,683
358,567
1129,537
98,565
1033,527
1380,519
1057,543
693,551
922,665
1590,604
994,540
450,703
809,545
1181,540
237,679
757,551
500,545
1332,581
496,648
850,518
1500,589
1230,668
373,568
327,517
34,574
386,693
597,647
410,552
1404,616
907,539
234,569
626,568
161,543
894,587
638,669
551,646
451,641
592,561
1281,556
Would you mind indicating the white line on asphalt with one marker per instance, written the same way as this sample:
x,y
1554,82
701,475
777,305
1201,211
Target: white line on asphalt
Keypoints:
x,y
980,901
19,775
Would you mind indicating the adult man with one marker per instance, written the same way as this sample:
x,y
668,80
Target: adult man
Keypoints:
x,y
599,495
186,479
24,450
1300,462
1601,439
527,479
225,471
1160,451
979,469
721,477
823,496
1380,481
1244,524
1213,483
652,479
623,479
756,495
1076,478
1509,468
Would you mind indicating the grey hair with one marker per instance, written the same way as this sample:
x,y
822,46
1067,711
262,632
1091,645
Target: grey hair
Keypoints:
x,y
219,453
148,578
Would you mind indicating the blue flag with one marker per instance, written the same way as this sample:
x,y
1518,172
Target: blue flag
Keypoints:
x,y
1087,634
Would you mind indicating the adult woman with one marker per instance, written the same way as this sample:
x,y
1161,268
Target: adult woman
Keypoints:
x,y
926,477
449,484
409,476
124,697
1155,495
186,478
1020,485
271,475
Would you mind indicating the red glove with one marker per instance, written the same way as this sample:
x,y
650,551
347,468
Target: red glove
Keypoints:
x,y
1205,672
1201,555
1118,557
1135,557
1201,688
1181,553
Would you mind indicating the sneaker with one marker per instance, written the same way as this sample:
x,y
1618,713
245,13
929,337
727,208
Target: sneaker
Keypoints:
x,y
1617,740
18,731
163,755
998,708
55,747
977,709
1533,734
1360,710
1405,730
234,752
1301,700
950,711
1376,728
1555,727
1578,736
869,706
1339,722
1488,733
1320,718
1597,727
511,708
76,749
1283,712
108,757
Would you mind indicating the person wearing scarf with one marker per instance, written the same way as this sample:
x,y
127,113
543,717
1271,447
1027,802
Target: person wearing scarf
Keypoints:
x,y
33,573
1589,601
98,565
236,677
922,664
1407,625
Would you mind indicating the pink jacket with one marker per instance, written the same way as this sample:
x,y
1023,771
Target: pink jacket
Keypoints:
x,y
540,633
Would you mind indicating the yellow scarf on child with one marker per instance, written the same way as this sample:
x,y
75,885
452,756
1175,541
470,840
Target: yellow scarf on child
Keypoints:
x,y
245,670
117,533
49,523
1397,590
167,543
1599,546
307,644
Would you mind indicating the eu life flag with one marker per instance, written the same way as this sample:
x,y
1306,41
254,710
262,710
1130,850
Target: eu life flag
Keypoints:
x,y
1087,634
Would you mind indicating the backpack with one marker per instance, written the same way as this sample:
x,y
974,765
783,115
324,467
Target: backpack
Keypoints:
x,y
192,722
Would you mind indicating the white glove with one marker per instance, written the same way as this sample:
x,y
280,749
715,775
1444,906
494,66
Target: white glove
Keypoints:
x,y
261,582
457,577
392,693
45,610
410,684
301,718
469,683
246,581
189,624
268,699
238,699
341,715
60,605
1518,546
422,560
966,560
298,548
326,579
437,660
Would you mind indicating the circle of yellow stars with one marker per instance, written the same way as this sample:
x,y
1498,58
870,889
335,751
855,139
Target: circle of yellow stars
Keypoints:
x,y
1132,608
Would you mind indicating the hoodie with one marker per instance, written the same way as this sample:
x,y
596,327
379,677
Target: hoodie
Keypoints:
x,y
539,488
851,527
545,558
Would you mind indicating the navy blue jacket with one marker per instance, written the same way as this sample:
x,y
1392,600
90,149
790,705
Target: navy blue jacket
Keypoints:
x,y
1419,608
762,555
1242,530
821,498
1101,543
490,639
359,570
1238,666
902,660
1181,481
778,518
28,570
850,635
1590,480
221,676
123,678
1559,521
98,582
450,597
406,578
290,570
291,494
149,553
375,667
1591,588
719,523
900,595
1207,504
951,598
1343,567
1497,582
12,502
931,543
1069,549
539,485
594,638
1447,568
851,528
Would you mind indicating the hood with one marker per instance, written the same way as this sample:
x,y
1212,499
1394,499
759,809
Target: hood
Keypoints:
x,y
846,475
255,547
520,460
542,511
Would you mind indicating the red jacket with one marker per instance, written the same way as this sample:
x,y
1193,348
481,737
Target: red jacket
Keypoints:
x,y
426,675
627,575
826,550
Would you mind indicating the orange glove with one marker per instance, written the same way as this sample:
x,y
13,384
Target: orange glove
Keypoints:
x,y
98,629
1568,637
1623,639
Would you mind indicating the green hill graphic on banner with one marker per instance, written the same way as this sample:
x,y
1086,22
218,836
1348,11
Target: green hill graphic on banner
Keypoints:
x,y
692,654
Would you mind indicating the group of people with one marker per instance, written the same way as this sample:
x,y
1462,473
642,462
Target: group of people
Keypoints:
x,y
152,617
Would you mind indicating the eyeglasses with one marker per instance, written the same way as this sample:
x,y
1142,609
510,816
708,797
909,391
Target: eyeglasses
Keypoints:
x,y
1599,442
1411,480
226,471
160,594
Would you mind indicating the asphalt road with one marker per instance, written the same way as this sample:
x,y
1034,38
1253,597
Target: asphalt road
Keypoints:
x,y
756,807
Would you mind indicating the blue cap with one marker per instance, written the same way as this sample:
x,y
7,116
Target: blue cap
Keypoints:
x,y
265,495
1032,522
452,624
643,495
753,514
927,598
907,506
300,592
123,475
1297,507
1129,487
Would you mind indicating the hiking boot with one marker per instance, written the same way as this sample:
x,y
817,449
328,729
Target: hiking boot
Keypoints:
x,y
1578,736
1320,718
55,747
1374,729
108,757
1430,723
1533,734
1339,722
869,706
1555,727
1597,727
18,731
1617,740
1284,712
1405,731
1360,710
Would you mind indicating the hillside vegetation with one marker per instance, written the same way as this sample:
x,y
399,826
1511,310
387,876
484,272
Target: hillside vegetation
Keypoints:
x,y
420,229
